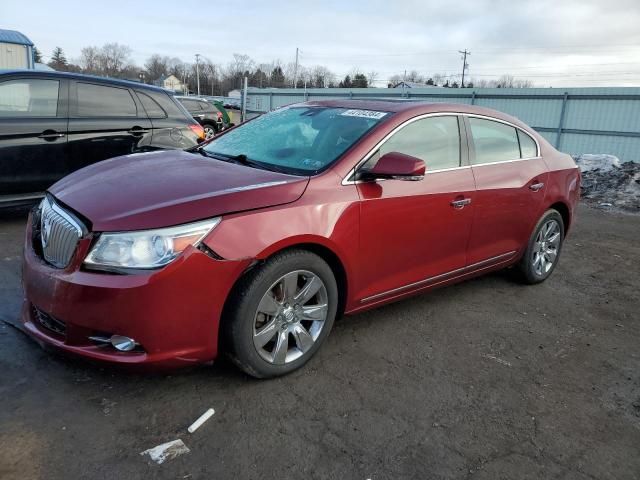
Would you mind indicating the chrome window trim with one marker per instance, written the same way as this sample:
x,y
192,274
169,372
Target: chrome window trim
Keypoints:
x,y
505,161
493,119
347,179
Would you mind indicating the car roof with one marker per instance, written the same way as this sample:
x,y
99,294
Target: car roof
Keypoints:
x,y
82,76
416,107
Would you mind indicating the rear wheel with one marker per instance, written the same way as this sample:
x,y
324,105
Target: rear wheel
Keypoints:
x,y
543,250
209,131
281,313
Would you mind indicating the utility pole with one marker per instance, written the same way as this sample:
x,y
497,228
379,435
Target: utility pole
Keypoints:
x,y
295,71
465,65
198,71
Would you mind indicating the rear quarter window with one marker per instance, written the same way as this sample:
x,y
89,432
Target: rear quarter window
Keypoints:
x,y
528,148
153,108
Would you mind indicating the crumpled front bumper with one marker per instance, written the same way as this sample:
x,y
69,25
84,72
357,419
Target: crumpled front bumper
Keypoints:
x,y
173,313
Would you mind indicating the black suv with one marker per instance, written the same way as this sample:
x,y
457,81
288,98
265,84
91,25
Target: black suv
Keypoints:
x,y
53,123
208,114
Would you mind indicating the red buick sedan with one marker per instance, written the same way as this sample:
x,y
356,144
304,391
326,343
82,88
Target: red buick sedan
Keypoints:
x,y
253,243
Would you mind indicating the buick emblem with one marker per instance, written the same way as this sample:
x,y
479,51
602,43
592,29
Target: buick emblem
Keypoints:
x,y
46,231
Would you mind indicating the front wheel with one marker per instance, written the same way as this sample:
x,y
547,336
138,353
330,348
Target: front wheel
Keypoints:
x,y
281,313
543,249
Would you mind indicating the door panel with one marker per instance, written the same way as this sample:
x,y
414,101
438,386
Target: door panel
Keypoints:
x,y
105,122
33,134
507,206
411,232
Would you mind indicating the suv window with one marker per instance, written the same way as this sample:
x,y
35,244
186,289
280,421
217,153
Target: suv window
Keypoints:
x,y
528,148
207,106
29,98
436,140
191,105
102,101
493,141
153,109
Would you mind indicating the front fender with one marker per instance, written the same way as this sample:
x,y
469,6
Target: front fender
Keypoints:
x,y
325,217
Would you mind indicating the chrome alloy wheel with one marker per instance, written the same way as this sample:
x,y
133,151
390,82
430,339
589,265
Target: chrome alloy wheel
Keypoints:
x,y
209,132
290,317
545,248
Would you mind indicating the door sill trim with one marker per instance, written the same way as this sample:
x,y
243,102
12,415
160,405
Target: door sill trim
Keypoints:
x,y
442,277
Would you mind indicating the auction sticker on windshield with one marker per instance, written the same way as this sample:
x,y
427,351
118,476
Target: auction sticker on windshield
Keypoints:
x,y
363,113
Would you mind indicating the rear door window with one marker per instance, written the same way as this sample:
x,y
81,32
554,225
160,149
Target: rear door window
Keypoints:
x,y
29,97
493,141
103,101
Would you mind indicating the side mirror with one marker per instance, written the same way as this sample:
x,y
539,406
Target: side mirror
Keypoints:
x,y
397,166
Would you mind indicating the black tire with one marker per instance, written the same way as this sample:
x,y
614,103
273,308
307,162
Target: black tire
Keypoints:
x,y
531,272
212,126
240,315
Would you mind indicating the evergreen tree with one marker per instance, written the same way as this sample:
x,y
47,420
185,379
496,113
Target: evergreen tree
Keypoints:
x,y
58,60
277,77
37,55
360,81
346,83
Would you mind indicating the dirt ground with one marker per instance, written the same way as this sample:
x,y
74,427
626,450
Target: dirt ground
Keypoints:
x,y
488,379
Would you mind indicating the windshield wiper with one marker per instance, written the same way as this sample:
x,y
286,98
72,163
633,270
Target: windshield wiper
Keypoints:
x,y
242,159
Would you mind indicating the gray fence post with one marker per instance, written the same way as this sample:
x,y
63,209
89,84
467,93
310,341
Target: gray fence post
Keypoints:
x,y
473,97
270,101
561,122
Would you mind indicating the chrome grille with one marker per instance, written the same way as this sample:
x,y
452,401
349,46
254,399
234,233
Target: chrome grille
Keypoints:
x,y
59,234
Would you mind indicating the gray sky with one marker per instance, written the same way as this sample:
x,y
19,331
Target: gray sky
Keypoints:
x,y
552,43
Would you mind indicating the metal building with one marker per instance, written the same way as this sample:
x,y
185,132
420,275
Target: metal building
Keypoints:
x,y
575,120
16,50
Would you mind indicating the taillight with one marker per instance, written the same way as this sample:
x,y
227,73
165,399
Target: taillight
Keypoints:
x,y
219,115
198,130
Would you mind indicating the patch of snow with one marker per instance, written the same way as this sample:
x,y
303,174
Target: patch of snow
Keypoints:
x,y
605,163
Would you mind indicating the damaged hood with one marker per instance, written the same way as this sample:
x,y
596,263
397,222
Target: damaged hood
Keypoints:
x,y
159,189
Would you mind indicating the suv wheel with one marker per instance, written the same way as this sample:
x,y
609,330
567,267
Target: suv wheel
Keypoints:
x,y
209,131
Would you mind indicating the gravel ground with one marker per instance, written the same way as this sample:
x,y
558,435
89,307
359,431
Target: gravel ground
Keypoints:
x,y
488,379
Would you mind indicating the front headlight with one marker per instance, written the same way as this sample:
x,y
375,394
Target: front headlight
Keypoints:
x,y
146,249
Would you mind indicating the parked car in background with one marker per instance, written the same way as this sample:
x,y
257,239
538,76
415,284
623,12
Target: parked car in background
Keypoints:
x,y
211,115
255,241
54,123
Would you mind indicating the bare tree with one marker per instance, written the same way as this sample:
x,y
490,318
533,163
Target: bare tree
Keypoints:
x,y
372,76
113,58
156,66
89,60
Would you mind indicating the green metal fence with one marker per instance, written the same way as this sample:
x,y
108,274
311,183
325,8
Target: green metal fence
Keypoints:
x,y
575,120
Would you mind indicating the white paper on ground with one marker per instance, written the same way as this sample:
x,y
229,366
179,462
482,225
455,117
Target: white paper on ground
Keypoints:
x,y
166,451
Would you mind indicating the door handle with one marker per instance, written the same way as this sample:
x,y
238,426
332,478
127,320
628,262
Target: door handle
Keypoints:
x,y
50,135
460,204
137,131
536,186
